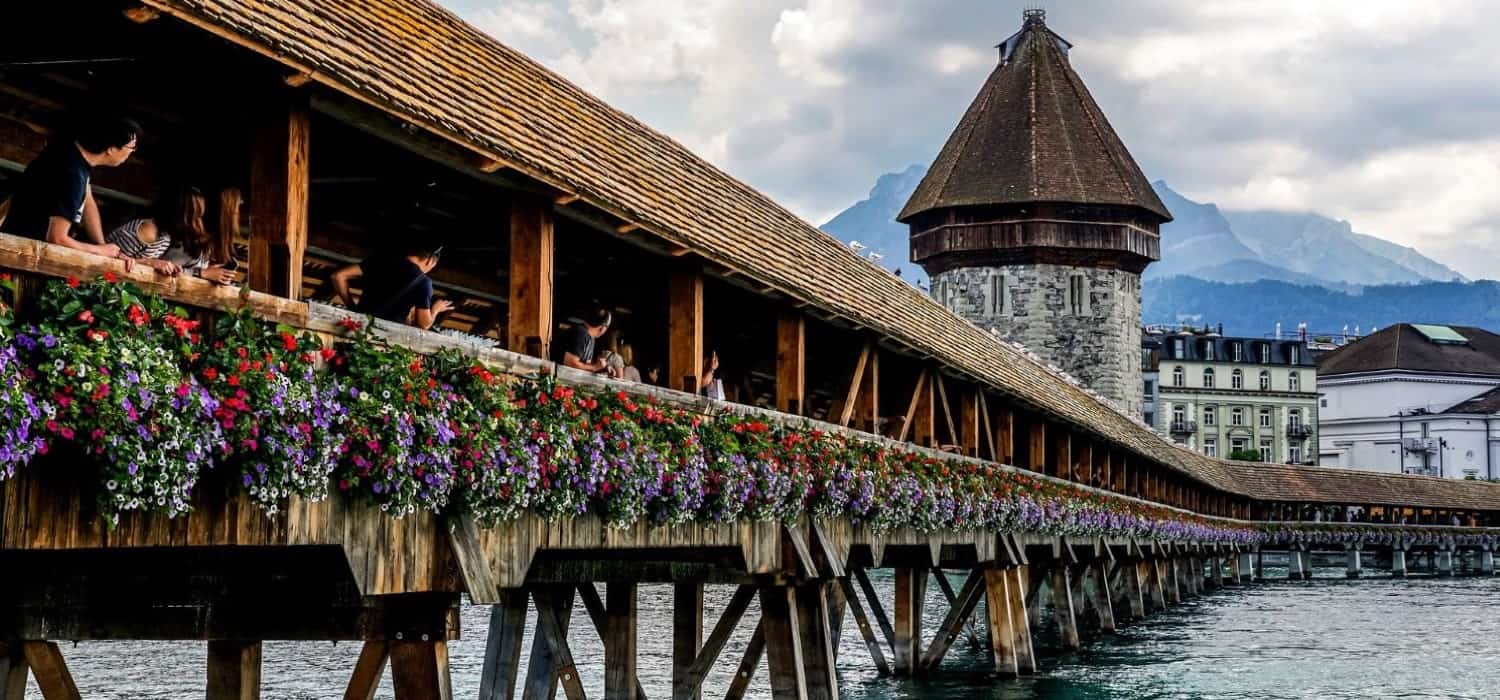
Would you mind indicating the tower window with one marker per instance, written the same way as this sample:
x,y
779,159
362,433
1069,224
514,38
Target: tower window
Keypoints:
x,y
1078,295
997,295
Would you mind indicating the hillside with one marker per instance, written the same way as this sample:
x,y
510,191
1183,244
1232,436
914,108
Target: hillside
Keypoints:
x,y
1256,307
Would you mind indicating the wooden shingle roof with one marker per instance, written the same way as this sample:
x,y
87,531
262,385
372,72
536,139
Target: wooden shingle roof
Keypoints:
x,y
1034,134
420,63
1280,482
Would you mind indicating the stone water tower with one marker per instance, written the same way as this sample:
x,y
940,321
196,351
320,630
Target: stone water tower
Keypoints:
x,y
1034,221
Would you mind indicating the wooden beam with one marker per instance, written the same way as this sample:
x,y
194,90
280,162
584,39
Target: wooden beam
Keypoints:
x,y
867,405
13,672
969,422
687,637
296,80
1104,600
1005,434
532,249
566,198
555,605
813,622
141,14
50,671
629,227
953,436
911,409
502,647
1037,452
787,663
1083,461
959,611
846,413
866,631
1062,606
490,166
689,682
987,419
278,199
909,601
373,657
620,642
685,329
419,670
876,609
791,363
1062,458
749,661
599,616
233,670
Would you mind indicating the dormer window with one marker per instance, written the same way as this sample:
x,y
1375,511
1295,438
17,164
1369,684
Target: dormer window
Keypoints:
x,y
1208,351
1265,353
1237,351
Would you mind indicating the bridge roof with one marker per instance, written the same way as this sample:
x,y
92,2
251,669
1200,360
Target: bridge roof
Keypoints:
x,y
1281,482
420,63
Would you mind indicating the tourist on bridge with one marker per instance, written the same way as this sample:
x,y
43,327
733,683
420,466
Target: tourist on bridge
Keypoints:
x,y
396,287
55,195
172,238
577,346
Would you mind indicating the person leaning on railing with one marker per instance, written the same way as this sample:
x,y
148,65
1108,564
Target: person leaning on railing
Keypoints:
x,y
173,239
55,194
396,287
576,346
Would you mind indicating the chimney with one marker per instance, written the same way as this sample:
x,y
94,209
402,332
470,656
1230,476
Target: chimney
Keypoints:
x,y
1278,330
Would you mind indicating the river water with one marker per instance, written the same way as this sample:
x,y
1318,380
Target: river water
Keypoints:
x,y
1326,638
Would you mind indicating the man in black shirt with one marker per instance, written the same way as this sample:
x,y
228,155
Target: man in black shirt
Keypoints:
x,y
575,347
54,193
396,287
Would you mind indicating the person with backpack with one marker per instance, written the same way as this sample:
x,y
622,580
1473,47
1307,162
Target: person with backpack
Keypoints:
x,y
395,287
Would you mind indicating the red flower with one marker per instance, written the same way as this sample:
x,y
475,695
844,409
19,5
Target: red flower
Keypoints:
x,y
73,282
288,341
110,276
349,324
86,316
138,315
327,354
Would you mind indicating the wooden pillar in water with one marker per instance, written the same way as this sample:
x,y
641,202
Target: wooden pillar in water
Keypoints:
x,y
620,641
1294,564
1233,577
1173,578
1062,606
419,670
1135,578
1246,567
1487,561
233,670
533,245
1104,599
279,182
1354,568
685,329
1210,574
687,635
502,648
1445,561
13,672
911,594
44,662
1010,628
1398,562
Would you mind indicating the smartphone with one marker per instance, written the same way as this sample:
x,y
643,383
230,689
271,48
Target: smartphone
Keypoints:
x,y
233,264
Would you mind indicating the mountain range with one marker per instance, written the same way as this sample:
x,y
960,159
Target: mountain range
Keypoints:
x,y
1247,269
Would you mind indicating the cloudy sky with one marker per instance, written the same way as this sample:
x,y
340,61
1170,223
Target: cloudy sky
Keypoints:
x,y
1383,113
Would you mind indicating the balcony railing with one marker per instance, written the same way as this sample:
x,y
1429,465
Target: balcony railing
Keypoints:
x,y
1299,431
1184,427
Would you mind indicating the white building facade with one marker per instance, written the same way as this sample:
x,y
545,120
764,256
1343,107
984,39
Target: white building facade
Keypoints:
x,y
1413,399
1227,396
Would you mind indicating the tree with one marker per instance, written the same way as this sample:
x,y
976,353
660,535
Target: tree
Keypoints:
x,y
1245,455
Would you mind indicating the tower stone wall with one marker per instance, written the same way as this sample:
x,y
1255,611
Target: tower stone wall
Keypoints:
x,y
1083,320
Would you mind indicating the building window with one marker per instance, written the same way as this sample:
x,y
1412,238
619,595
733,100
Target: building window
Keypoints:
x,y
1266,452
1211,447
1179,377
1210,415
1294,354
1265,353
1294,381
1238,445
1265,380
1208,378
1177,348
1236,416
1146,360
1237,380
1265,417
1237,351
1078,295
1150,388
1294,454
1150,419
1208,351
1179,415
1294,419
997,295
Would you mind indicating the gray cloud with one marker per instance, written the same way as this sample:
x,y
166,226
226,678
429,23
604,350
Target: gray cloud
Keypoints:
x,y
1383,113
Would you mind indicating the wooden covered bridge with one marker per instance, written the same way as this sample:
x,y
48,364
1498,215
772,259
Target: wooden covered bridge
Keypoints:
x,y
350,126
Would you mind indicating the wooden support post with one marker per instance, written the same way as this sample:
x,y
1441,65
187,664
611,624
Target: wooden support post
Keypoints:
x,y
687,636
921,419
1246,568
620,641
502,648
959,611
778,609
1083,460
876,609
867,404
1444,562
13,672
1355,567
969,422
1156,590
813,628
1172,579
866,631
1398,562
1062,457
748,663
419,670
373,657
685,329
791,363
1210,575
533,245
1005,434
1062,606
1134,576
1037,448
1104,600
233,670
554,606
942,388
1017,579
911,595
1487,561
1294,564
687,679
850,404
278,199
49,671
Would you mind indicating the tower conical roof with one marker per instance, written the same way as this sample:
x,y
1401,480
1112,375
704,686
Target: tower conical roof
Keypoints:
x,y
1034,134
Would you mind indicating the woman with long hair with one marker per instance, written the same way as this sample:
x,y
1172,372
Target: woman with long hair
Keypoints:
x,y
172,238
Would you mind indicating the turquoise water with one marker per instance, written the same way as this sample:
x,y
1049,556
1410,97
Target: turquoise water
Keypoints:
x,y
1326,638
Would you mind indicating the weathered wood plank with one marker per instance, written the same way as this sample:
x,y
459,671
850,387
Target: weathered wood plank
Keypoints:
x,y
555,605
233,670
748,663
862,621
788,671
851,400
685,329
817,644
1020,624
620,642
50,671
473,565
959,611
502,647
13,672
692,676
419,670
791,363
876,609
532,249
279,182
687,638
1062,606
909,600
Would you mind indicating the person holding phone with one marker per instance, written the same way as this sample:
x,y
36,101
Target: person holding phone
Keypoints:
x,y
173,239
396,287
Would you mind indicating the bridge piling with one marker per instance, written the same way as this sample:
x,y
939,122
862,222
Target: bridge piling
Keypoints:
x,y
1354,567
1487,561
1444,561
1246,569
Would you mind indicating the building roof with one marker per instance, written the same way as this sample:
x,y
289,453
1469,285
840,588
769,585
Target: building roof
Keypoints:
x,y
1407,347
1281,482
1483,404
1034,134
420,63
1197,348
